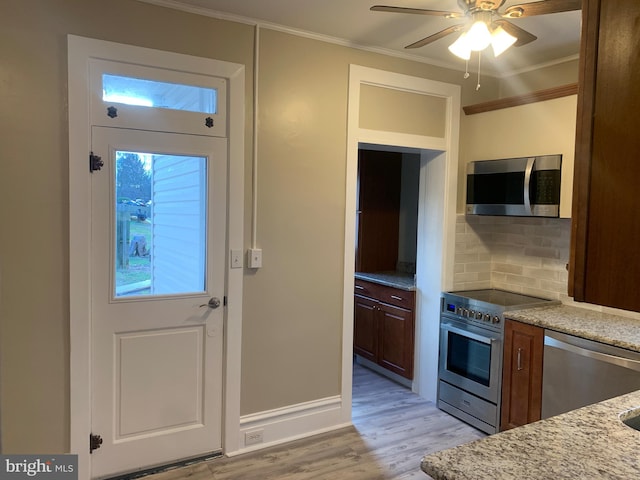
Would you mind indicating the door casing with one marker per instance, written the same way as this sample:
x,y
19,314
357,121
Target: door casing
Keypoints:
x,y
80,51
436,216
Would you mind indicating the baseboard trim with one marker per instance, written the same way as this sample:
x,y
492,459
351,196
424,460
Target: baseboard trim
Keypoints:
x,y
290,423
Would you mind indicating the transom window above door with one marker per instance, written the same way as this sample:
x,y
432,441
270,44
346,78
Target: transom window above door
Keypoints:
x,y
151,93
155,99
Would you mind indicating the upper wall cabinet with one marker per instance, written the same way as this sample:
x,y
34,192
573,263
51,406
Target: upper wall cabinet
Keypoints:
x,y
378,210
540,128
604,266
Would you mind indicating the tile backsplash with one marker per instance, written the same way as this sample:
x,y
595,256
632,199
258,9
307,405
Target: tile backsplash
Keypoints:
x,y
521,254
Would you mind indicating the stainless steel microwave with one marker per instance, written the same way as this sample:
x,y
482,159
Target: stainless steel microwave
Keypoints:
x,y
527,186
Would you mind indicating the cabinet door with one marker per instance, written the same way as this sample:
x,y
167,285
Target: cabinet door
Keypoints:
x,y
396,340
522,374
605,230
365,328
378,216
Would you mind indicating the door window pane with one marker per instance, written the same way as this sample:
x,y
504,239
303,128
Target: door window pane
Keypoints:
x,y
151,93
160,244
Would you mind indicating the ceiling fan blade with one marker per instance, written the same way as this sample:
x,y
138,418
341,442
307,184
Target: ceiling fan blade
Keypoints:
x,y
436,36
541,8
419,11
522,35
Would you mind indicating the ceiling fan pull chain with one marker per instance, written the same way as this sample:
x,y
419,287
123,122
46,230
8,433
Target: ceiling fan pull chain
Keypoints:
x,y
479,57
466,69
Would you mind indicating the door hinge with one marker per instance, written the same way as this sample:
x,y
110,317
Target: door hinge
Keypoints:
x,y
95,162
94,442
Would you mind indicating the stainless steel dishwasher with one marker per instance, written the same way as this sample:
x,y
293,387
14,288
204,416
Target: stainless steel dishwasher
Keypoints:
x,y
579,372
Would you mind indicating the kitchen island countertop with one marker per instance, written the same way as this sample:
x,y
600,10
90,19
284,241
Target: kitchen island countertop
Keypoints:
x,y
587,443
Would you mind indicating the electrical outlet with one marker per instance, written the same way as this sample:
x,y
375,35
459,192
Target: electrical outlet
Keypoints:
x,y
253,437
255,258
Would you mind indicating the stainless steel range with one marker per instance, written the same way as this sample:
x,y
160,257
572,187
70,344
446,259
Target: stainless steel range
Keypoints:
x,y
470,361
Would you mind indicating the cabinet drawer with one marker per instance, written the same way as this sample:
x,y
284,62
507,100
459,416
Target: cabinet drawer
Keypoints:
x,y
385,294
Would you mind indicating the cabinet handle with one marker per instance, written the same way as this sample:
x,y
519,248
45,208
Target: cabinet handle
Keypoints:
x,y
519,359
358,287
395,297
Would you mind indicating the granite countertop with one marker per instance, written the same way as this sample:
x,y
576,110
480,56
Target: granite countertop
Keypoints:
x,y
590,443
587,443
602,327
404,281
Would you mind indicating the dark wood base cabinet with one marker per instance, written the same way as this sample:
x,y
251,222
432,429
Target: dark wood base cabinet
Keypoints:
x,y
365,328
384,326
521,374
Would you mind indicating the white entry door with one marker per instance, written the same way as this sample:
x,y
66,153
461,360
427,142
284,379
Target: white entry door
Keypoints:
x,y
158,232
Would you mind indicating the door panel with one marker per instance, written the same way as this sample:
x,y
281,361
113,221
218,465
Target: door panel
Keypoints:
x,y
177,379
156,262
396,346
365,331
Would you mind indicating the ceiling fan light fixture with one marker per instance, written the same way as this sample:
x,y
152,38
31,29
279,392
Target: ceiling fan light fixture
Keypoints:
x,y
479,36
501,40
461,47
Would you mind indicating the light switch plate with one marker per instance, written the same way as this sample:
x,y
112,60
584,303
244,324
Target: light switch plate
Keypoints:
x,y
255,257
236,258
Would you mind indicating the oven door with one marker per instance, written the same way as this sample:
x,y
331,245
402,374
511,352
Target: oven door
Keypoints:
x,y
470,358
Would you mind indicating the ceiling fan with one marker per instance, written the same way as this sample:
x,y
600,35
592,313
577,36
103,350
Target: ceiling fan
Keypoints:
x,y
484,24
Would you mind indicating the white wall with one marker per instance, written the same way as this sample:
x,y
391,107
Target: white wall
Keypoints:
x,y
540,78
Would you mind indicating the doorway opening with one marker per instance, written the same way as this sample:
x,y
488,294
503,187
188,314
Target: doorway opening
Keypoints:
x,y
379,120
431,258
386,229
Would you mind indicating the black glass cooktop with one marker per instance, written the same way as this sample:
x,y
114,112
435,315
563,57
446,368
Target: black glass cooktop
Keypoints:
x,y
502,298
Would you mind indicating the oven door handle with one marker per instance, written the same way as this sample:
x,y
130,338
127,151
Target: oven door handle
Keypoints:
x,y
467,333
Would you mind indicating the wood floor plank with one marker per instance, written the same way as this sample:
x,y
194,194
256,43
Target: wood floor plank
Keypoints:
x,y
392,430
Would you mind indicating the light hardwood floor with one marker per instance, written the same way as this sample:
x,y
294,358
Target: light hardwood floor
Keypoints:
x,y
392,429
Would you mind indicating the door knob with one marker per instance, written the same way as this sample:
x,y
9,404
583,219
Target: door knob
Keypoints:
x,y
214,302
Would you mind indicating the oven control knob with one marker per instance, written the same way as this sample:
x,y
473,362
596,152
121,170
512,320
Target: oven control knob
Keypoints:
x,y
472,313
496,319
465,312
479,315
487,317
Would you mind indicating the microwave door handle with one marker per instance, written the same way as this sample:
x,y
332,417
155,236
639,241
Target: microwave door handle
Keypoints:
x,y
527,183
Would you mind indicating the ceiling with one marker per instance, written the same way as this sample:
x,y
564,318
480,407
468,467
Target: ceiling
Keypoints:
x,y
352,22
